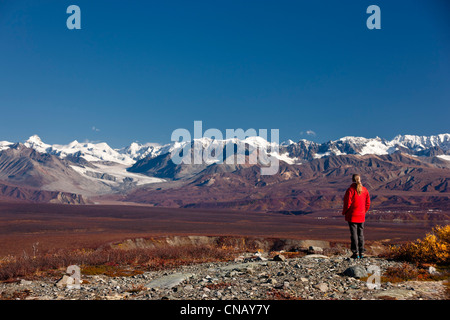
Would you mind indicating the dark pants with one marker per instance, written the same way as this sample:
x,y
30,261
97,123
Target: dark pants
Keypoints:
x,y
357,237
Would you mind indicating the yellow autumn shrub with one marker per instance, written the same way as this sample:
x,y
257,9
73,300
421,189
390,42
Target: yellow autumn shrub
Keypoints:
x,y
433,248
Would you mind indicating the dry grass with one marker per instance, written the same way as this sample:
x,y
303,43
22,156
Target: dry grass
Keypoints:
x,y
113,262
110,271
137,288
275,294
16,295
408,272
287,254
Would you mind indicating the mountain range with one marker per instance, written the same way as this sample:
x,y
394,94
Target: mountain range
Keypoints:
x,y
408,171
295,151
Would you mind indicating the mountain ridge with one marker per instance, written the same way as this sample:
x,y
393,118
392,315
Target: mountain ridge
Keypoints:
x,y
301,150
405,171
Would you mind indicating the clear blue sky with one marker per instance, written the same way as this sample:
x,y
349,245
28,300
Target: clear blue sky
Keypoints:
x,y
137,70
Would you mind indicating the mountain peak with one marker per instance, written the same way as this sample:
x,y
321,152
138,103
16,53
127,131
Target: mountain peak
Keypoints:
x,y
34,139
287,142
35,142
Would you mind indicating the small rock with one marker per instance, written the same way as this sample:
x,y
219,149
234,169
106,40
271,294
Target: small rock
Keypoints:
x,y
279,257
231,273
314,249
322,287
432,270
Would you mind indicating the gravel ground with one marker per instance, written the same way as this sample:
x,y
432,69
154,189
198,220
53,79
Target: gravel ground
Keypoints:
x,y
255,277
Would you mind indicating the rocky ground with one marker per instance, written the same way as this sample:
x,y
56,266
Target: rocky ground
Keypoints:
x,y
250,276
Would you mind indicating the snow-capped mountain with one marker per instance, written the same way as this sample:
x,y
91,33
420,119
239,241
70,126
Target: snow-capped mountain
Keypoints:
x,y
415,145
5,145
136,151
419,143
89,151
91,169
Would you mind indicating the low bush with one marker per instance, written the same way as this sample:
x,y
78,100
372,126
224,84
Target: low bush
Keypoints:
x,y
408,272
433,248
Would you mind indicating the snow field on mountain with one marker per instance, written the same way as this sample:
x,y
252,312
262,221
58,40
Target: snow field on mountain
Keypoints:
x,y
118,171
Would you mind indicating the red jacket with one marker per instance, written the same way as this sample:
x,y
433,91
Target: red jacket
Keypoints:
x,y
356,206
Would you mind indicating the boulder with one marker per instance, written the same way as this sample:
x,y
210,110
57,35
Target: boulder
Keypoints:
x,y
169,281
356,272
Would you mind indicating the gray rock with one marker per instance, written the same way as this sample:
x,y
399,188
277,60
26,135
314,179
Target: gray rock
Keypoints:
x,y
356,272
25,282
168,281
396,293
279,257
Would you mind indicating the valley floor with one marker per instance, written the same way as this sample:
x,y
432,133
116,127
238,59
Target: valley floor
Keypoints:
x,y
54,226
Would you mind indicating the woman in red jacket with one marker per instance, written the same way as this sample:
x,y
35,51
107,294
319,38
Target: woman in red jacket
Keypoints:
x,y
356,204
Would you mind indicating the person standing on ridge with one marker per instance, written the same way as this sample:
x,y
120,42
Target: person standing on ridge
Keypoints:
x,y
356,205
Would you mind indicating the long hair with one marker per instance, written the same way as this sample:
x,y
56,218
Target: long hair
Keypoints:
x,y
357,179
